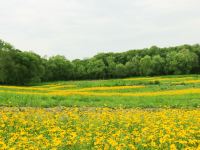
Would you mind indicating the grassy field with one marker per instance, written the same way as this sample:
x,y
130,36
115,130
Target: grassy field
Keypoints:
x,y
147,92
123,114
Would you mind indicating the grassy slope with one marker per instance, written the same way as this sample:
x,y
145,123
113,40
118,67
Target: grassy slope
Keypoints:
x,y
151,85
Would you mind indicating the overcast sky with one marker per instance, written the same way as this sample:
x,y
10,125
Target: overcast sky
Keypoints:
x,y
83,28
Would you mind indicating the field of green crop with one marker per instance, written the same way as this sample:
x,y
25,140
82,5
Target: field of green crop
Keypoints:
x,y
144,92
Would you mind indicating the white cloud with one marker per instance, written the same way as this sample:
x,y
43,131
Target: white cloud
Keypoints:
x,y
78,29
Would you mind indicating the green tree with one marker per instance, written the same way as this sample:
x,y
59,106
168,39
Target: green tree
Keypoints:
x,y
120,71
79,69
181,62
133,66
58,68
96,69
110,68
158,64
146,66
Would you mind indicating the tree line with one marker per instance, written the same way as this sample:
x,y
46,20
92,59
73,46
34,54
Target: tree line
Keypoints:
x,y
21,68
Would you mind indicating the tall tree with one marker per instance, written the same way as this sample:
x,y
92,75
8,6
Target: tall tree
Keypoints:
x,y
58,68
146,66
96,69
181,62
158,64
133,66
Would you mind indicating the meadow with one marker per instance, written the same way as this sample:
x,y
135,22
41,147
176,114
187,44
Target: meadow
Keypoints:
x,y
133,113
146,92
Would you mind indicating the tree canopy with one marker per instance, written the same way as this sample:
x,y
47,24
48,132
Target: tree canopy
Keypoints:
x,y
20,68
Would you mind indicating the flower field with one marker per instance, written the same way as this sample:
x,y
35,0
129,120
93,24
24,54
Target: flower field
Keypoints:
x,y
99,128
123,114
66,89
146,92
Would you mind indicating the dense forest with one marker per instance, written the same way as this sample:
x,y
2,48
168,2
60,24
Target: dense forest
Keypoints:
x,y
22,68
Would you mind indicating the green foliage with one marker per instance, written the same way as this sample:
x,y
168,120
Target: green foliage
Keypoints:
x,y
158,64
133,66
58,68
96,69
181,62
146,66
17,67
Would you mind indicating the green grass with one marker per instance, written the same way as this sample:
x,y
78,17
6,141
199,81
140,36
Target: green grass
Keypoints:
x,y
10,98
183,101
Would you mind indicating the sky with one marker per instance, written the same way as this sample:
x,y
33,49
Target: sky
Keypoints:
x,y
83,28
